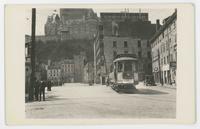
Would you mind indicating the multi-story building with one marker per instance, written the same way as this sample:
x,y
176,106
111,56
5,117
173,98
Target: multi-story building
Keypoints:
x,y
112,46
52,25
71,24
126,24
129,33
67,70
78,23
54,74
122,16
164,53
27,62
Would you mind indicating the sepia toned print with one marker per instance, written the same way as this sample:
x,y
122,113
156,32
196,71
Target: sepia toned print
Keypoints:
x,y
82,63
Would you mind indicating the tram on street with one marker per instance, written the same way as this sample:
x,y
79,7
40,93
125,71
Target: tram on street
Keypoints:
x,y
124,73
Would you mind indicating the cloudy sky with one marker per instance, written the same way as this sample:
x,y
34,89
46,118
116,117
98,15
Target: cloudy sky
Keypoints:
x,y
42,14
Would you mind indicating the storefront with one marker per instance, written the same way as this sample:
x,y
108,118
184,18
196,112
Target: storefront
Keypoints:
x,y
173,72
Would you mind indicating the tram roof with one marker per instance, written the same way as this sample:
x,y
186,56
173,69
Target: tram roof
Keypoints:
x,y
123,57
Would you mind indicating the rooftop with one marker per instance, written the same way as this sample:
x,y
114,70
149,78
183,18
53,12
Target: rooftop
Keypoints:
x,y
167,22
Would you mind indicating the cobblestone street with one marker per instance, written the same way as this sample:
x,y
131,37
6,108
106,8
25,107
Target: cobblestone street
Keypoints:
x,y
74,100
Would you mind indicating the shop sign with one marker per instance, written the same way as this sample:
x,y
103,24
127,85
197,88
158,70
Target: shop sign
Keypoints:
x,y
173,64
156,69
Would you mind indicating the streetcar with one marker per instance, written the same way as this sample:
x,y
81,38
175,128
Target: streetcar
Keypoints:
x,y
123,73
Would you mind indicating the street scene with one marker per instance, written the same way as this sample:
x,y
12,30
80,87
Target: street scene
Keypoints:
x,y
84,101
92,63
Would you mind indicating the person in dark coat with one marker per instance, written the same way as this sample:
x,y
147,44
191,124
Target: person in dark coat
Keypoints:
x,y
49,85
42,90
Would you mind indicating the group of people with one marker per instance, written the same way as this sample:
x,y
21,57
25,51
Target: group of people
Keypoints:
x,y
39,89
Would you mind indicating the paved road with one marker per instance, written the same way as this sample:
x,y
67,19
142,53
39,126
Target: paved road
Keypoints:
x,y
74,100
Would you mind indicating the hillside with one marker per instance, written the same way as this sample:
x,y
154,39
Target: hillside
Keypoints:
x,y
66,49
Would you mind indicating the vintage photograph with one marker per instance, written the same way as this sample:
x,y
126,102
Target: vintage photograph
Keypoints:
x,y
100,63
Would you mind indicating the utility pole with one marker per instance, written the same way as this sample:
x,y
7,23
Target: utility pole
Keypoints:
x,y
31,89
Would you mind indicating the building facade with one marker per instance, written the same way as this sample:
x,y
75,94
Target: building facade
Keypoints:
x,y
164,51
54,74
27,62
88,72
122,16
113,46
78,23
67,70
120,33
71,23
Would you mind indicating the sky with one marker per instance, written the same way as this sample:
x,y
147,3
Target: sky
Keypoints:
x,y
42,14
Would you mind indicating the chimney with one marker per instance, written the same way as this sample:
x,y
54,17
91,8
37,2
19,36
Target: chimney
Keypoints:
x,y
157,24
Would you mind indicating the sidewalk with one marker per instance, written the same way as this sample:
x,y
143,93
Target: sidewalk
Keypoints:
x,y
167,86
141,84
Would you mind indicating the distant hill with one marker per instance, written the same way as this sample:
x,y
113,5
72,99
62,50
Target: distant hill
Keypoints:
x,y
66,49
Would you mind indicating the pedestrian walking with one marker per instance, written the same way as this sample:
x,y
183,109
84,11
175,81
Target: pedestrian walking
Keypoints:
x,y
42,90
49,85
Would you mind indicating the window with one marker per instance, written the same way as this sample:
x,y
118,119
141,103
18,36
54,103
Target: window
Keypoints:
x,y
167,46
125,52
148,44
149,66
149,54
139,43
164,61
174,25
120,65
125,44
128,66
101,27
114,43
163,47
171,57
139,54
167,59
169,40
114,54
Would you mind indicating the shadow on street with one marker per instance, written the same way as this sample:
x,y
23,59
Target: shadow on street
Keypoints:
x,y
141,91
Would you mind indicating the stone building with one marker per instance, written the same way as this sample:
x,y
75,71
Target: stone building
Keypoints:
x,y
124,23
45,39
120,33
52,25
67,70
79,62
27,62
78,23
71,23
51,29
113,46
122,16
164,51
54,74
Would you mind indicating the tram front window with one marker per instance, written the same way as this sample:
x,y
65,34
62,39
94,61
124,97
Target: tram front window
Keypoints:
x,y
127,66
120,67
